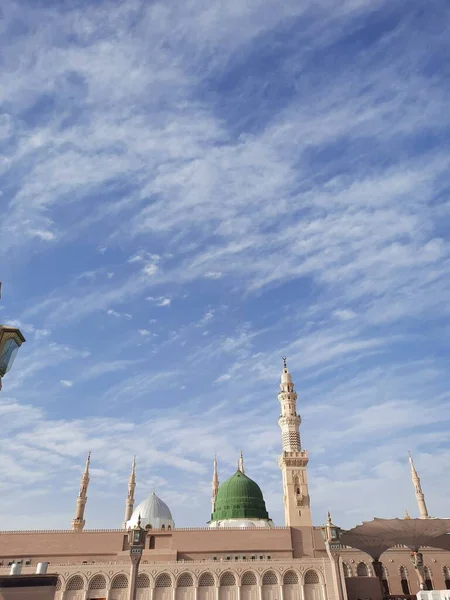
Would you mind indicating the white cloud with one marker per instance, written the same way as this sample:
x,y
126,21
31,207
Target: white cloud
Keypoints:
x,y
113,313
224,377
164,302
66,383
345,314
144,332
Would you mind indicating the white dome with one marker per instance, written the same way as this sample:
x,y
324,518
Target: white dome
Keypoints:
x,y
153,511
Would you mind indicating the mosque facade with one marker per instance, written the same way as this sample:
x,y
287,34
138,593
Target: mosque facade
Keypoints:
x,y
239,555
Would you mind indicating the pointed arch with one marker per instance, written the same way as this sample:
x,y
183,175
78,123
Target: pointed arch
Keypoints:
x,y
206,579
428,578
362,570
404,580
249,578
347,569
446,573
227,579
163,580
290,578
311,577
143,580
76,582
185,580
163,587
97,582
227,586
270,578
120,582
206,586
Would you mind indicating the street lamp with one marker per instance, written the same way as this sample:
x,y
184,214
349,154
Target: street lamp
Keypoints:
x,y
10,341
136,539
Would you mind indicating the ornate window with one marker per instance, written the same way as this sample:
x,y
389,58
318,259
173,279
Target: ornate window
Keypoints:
x,y
428,581
311,577
143,581
163,580
404,580
227,579
248,578
97,583
290,577
206,580
362,570
75,583
347,570
120,582
185,580
269,578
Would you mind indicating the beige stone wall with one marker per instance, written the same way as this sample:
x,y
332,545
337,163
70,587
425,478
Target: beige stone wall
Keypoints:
x,y
308,579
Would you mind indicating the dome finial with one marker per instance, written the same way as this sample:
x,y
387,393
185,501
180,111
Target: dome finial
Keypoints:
x,y
241,463
284,362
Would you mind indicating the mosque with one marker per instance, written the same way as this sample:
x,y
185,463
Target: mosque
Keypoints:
x,y
239,555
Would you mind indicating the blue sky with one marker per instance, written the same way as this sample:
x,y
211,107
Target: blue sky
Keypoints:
x,y
191,190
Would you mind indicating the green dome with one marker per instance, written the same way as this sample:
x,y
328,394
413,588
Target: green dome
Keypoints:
x,y
239,497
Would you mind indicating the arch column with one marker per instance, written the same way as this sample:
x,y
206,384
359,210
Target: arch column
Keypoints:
x,y
195,592
216,593
302,590
323,589
259,588
281,590
238,592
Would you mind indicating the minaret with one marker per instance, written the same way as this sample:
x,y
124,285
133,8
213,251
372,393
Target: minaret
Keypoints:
x,y
418,490
129,502
241,463
78,522
293,460
215,485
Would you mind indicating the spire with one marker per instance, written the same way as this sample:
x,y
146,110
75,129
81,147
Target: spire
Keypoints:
x,y
407,517
329,518
78,521
241,463
294,459
420,497
129,502
215,484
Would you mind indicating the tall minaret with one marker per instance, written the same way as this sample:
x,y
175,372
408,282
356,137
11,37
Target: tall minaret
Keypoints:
x,y
418,490
78,522
215,485
129,502
241,463
293,460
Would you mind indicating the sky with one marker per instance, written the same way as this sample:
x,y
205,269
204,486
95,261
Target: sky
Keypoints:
x,y
192,189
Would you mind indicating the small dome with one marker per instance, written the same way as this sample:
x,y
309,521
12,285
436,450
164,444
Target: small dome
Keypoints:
x,y
239,497
154,512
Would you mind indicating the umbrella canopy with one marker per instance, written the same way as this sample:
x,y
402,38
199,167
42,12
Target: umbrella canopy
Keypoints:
x,y
377,536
